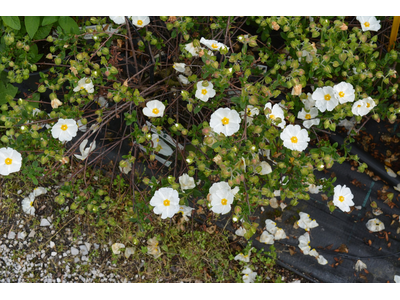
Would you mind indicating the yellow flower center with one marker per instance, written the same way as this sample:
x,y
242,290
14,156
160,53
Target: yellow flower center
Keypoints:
x,y
341,198
366,24
248,112
64,127
341,94
294,140
82,88
224,201
204,91
225,121
166,202
368,105
140,22
272,117
155,111
308,116
327,97
31,204
8,161
359,105
214,46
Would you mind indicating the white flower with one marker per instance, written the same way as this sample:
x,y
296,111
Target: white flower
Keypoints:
x,y
344,92
390,172
343,197
369,23
186,182
118,19
270,226
154,108
55,103
102,102
321,260
39,191
182,79
305,222
179,67
10,161
83,85
363,107
85,152
249,276
192,50
64,129
153,248
397,278
212,44
265,168
204,92
359,266
251,113
221,201
304,243
280,234
81,127
242,257
267,238
309,117
27,204
226,121
314,189
276,112
186,211
165,202
116,247
241,231
126,166
140,21
165,149
308,102
325,98
295,138
375,225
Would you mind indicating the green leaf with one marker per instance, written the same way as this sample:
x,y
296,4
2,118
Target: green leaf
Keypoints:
x,y
43,32
7,89
197,109
49,20
68,25
32,25
35,182
326,149
13,22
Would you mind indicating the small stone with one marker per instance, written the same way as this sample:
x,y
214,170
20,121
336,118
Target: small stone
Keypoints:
x,y
44,222
74,251
53,253
11,235
84,258
96,246
52,244
88,245
21,235
76,260
84,250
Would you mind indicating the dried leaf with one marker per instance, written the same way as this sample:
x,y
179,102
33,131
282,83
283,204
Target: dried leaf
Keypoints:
x,y
292,250
342,249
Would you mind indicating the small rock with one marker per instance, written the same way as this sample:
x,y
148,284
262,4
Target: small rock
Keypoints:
x,y
11,235
74,251
52,244
21,235
84,250
76,260
84,258
32,234
88,245
53,253
44,222
96,246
